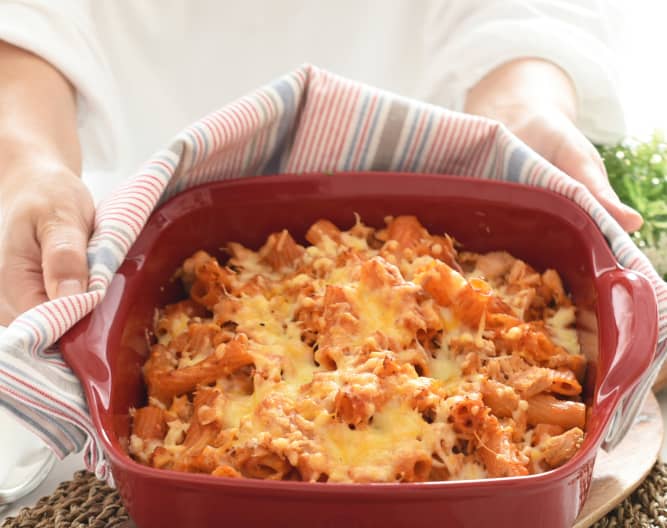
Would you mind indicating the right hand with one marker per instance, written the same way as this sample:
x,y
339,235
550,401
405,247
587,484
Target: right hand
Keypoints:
x,y
537,101
46,218
552,134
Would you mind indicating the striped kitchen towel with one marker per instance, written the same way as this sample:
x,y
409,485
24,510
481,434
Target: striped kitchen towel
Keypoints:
x,y
307,121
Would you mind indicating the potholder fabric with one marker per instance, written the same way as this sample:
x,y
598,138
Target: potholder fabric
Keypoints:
x,y
307,121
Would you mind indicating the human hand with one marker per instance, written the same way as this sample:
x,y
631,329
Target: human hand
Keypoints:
x,y
46,212
46,217
552,134
536,101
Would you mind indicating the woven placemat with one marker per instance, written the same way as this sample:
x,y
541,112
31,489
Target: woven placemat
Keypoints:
x,y
81,502
87,502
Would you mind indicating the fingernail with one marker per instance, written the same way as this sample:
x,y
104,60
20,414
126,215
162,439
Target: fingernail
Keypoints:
x,y
630,210
68,287
634,219
628,217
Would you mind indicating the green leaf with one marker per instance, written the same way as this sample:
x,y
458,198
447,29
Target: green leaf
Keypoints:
x,y
637,171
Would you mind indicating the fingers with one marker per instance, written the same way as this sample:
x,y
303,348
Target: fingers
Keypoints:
x,y
27,291
577,157
46,221
22,289
594,177
63,239
553,135
629,219
598,183
21,284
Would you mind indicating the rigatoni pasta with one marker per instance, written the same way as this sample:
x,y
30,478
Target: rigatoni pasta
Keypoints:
x,y
370,355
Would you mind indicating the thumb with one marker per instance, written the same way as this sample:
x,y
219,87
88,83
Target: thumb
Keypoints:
x,y
63,243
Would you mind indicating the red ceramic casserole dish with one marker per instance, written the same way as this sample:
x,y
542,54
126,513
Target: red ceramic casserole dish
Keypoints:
x,y
617,313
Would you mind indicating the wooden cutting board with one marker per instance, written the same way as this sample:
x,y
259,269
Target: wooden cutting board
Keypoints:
x,y
617,474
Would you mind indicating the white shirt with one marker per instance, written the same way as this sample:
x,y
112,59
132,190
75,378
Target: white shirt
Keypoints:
x,y
144,69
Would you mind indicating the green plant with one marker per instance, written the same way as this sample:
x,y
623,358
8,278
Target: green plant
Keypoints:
x,y
638,172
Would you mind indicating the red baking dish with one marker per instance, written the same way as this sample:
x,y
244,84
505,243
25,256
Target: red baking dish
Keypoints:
x,y
617,315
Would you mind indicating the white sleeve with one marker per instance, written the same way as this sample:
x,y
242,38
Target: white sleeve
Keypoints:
x,y
466,40
63,34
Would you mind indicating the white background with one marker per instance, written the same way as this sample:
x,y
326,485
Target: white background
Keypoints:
x,y
643,59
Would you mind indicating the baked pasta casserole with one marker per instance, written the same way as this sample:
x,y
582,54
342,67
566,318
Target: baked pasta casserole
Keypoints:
x,y
371,355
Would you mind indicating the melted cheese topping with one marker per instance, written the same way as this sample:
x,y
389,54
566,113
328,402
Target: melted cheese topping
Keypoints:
x,y
380,311
445,369
355,372
175,327
361,455
562,328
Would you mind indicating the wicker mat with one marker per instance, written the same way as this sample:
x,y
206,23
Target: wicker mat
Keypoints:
x,y
86,502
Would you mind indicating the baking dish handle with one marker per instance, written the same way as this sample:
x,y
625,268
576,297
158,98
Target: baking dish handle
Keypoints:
x,y
629,300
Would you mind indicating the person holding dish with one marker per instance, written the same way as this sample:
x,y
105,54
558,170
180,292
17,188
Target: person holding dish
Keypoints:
x,y
90,89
